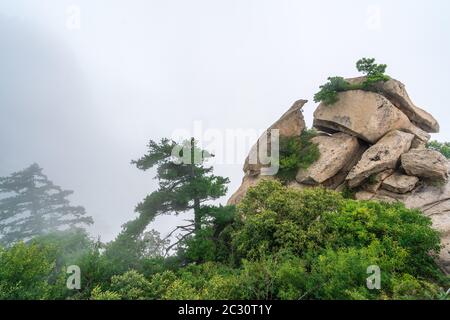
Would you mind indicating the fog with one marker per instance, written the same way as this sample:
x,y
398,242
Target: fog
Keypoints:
x,y
85,84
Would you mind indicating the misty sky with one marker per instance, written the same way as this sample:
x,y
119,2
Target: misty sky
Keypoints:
x,y
85,84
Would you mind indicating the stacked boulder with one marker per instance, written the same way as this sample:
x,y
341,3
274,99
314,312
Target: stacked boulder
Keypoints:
x,y
373,143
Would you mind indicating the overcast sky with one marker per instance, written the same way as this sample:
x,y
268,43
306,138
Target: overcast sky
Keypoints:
x,y
85,84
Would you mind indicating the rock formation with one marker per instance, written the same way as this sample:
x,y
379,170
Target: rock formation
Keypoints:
x,y
373,143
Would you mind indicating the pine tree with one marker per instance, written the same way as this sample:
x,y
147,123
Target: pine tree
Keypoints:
x,y
31,205
185,185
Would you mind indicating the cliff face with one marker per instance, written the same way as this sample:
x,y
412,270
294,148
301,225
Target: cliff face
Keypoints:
x,y
375,144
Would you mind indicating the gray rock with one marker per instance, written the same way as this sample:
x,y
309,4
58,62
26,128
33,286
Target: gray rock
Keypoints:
x,y
434,202
385,154
425,163
335,152
400,183
366,115
395,91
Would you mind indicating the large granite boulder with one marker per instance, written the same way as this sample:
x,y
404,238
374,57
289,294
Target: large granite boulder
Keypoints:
x,y
335,152
425,163
290,124
381,156
366,115
395,91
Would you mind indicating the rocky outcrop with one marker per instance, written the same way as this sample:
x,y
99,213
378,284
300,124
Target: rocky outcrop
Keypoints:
x,y
381,156
335,152
425,163
290,124
375,144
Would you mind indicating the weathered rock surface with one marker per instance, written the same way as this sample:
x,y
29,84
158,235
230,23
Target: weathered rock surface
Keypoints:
x,y
381,156
290,124
364,195
400,183
425,163
395,91
335,152
363,114
434,202
338,181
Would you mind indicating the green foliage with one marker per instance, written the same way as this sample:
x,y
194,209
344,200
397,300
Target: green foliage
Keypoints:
x,y
348,193
24,272
69,245
67,248
97,270
374,73
407,287
99,294
131,286
336,239
34,206
160,283
212,242
133,252
328,93
442,147
296,153
185,184
281,218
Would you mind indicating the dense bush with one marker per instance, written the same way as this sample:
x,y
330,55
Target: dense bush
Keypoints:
x,y
24,272
296,153
337,239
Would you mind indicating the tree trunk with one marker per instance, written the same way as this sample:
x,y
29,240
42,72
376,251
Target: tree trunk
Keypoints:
x,y
197,217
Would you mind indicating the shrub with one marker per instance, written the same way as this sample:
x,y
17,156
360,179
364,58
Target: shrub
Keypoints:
x,y
24,272
212,241
335,240
131,286
407,287
98,294
328,93
296,153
